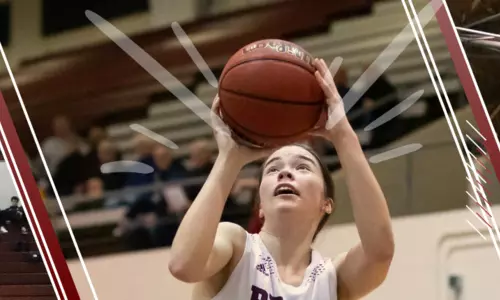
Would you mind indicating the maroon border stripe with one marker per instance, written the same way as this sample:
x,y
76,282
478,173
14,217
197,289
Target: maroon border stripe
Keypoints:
x,y
36,201
465,76
28,212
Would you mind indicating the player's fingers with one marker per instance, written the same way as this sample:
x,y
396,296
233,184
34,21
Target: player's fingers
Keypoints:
x,y
323,65
326,71
216,104
328,90
320,67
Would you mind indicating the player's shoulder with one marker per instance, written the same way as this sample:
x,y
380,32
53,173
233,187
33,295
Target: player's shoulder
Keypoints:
x,y
232,232
339,259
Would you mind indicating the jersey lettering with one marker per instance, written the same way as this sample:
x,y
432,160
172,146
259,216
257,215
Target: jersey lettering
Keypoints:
x,y
260,294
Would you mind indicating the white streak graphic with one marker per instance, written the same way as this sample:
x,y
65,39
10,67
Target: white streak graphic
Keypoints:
x,y
154,136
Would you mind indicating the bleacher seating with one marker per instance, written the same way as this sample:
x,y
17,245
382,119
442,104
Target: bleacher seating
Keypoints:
x,y
347,39
20,276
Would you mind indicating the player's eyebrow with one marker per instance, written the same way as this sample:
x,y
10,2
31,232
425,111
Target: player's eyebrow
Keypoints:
x,y
271,160
303,157
307,159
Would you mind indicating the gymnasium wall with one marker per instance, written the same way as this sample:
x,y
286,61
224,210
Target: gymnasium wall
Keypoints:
x,y
27,40
420,182
7,190
428,248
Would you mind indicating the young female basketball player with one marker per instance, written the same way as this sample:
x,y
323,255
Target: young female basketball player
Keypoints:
x,y
296,194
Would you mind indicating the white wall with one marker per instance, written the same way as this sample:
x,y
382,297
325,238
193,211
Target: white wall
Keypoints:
x,y
424,257
7,189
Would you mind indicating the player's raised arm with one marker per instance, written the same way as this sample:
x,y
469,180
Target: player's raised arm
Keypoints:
x,y
366,265
202,246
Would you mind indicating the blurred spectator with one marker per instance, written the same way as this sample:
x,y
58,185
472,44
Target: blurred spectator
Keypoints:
x,y
106,153
65,154
381,92
94,196
199,164
341,79
244,190
95,136
63,142
137,225
167,168
3,222
143,152
15,215
95,189
380,97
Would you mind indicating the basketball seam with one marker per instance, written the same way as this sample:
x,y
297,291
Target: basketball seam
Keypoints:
x,y
225,114
265,99
266,58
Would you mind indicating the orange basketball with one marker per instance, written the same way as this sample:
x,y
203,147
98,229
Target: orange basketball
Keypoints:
x,y
269,95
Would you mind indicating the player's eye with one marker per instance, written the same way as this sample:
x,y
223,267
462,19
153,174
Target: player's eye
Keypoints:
x,y
303,167
271,170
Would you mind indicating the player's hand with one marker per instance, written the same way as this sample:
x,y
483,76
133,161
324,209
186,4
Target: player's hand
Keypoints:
x,y
337,122
229,148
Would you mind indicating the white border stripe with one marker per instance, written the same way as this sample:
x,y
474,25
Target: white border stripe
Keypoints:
x,y
30,207
61,207
455,122
477,146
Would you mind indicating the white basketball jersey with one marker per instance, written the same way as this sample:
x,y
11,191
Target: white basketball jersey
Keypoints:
x,y
256,278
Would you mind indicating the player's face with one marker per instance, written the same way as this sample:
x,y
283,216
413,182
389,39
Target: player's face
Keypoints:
x,y
292,181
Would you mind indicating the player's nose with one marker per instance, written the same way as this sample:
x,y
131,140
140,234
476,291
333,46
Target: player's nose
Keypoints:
x,y
285,174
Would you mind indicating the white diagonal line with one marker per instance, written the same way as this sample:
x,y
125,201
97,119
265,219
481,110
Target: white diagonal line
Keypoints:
x,y
480,176
162,75
476,215
477,230
56,193
474,81
479,32
478,204
478,162
477,131
477,187
151,66
154,136
472,154
477,146
453,126
394,153
473,199
194,54
382,63
395,111
335,65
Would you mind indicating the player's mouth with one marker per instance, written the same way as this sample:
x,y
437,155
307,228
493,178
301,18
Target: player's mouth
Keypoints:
x,y
285,189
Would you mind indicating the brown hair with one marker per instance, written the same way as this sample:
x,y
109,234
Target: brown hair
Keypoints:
x,y
327,179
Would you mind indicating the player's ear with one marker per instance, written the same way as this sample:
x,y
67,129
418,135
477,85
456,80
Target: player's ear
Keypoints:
x,y
328,206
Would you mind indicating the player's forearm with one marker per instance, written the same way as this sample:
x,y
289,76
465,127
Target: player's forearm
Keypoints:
x,y
369,205
194,239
